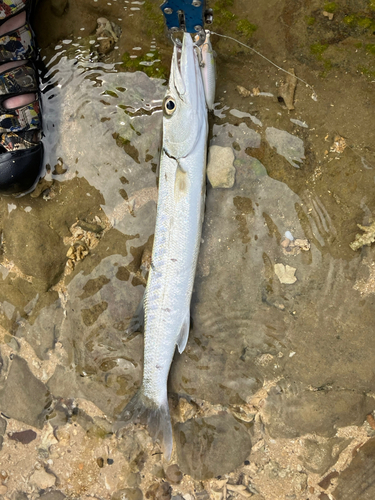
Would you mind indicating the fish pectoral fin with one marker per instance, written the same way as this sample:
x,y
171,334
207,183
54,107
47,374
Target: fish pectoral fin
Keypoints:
x,y
184,333
138,320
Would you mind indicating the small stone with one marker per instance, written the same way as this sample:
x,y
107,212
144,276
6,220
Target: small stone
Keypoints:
x,y
62,436
220,170
41,479
326,481
100,462
242,91
151,492
52,495
24,437
288,88
285,273
3,489
285,242
173,474
328,14
23,396
164,492
339,144
186,410
128,494
202,495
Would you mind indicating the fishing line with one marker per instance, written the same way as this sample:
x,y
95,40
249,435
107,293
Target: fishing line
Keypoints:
x,y
313,96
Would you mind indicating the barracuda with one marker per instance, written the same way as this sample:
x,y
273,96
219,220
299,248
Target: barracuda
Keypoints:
x,y
179,220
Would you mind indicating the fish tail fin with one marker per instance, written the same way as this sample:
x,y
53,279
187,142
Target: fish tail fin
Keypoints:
x,y
157,419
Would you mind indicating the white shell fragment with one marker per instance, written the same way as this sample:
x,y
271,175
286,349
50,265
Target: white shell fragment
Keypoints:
x,y
285,273
220,170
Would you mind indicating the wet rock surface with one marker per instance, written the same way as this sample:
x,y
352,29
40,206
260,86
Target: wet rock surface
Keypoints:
x,y
33,398
207,447
318,457
358,481
321,412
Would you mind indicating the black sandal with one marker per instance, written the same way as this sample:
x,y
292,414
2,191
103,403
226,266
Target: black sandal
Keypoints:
x,y
21,150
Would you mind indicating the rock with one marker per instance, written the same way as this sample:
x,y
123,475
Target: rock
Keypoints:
x,y
128,494
3,489
41,479
318,457
53,495
58,7
220,170
20,495
292,411
285,273
24,397
3,426
24,437
212,446
196,371
35,248
243,91
358,480
202,495
132,446
326,482
107,34
164,492
38,331
173,474
288,88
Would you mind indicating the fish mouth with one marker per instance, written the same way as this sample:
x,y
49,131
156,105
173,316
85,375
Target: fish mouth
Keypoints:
x,y
183,69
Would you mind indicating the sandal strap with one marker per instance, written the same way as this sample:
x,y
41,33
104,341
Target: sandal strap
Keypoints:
x,y
9,8
17,81
21,119
17,45
25,140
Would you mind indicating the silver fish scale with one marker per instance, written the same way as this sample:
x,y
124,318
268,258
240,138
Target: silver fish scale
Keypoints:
x,y
171,279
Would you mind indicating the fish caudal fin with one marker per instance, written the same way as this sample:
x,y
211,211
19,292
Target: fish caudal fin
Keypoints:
x,y
157,419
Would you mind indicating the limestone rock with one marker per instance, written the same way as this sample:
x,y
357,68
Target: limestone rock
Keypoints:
x,y
358,480
41,479
212,446
319,457
285,273
53,495
24,397
35,248
300,411
128,494
220,170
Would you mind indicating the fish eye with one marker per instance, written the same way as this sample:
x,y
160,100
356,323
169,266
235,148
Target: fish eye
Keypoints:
x,y
169,105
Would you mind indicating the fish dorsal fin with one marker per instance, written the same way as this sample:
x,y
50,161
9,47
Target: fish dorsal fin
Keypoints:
x,y
184,333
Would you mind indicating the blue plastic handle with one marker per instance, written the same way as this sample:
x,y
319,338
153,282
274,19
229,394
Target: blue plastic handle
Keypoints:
x,y
184,15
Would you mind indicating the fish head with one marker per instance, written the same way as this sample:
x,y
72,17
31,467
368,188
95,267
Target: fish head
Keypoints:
x,y
184,105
